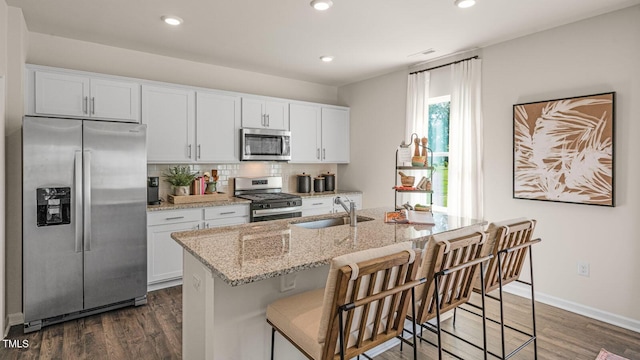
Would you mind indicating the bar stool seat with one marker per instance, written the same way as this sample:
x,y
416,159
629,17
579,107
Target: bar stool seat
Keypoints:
x,y
297,316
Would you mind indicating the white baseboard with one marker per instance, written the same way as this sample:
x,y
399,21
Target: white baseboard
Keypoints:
x,y
610,318
164,285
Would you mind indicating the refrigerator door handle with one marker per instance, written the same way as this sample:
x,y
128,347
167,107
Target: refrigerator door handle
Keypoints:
x,y
86,169
78,200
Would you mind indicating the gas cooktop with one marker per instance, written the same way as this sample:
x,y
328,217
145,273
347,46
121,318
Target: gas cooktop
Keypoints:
x,y
268,196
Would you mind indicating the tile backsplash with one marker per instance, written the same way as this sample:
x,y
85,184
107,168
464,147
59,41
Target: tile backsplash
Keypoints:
x,y
227,172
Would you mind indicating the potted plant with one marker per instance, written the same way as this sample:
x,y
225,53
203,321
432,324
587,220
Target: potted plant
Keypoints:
x,y
180,177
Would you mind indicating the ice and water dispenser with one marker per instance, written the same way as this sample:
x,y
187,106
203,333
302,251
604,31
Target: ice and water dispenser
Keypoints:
x,y
54,206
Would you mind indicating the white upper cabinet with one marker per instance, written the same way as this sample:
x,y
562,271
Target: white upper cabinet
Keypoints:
x,y
335,135
217,127
265,114
319,134
62,94
169,114
306,133
115,100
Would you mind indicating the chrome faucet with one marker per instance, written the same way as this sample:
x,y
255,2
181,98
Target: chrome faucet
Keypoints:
x,y
351,209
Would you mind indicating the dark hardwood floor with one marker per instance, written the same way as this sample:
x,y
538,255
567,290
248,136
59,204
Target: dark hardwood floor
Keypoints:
x,y
154,331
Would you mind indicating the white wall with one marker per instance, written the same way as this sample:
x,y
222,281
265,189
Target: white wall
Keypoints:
x,y
592,56
16,54
378,108
3,71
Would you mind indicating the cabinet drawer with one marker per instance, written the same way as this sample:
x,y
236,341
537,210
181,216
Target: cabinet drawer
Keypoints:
x,y
173,216
311,203
226,222
219,212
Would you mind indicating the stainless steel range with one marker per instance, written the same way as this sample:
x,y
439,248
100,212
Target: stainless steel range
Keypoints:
x,y
268,202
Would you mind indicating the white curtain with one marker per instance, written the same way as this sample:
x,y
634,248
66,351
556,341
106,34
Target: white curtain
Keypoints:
x,y
417,118
465,196
417,104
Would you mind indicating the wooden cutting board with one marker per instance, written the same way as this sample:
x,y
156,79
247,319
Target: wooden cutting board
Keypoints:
x,y
189,199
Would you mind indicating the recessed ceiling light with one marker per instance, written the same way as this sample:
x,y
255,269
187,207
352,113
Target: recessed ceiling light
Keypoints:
x,y
321,5
172,20
464,3
326,58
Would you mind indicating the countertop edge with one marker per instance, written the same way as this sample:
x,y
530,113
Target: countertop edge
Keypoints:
x,y
168,206
235,201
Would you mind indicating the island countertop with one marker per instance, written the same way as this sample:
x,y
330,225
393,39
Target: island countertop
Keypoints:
x,y
243,254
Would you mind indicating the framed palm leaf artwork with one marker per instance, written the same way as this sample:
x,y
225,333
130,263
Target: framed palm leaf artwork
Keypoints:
x,y
563,150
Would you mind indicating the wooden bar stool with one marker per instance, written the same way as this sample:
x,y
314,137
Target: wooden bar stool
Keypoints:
x,y
452,262
510,242
363,304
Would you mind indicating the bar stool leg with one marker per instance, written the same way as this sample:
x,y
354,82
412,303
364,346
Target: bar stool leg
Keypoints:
x,y
273,337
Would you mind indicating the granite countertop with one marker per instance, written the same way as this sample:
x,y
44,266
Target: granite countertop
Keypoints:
x,y
169,206
246,253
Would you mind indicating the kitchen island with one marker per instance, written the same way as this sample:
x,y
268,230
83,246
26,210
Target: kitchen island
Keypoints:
x,y
232,273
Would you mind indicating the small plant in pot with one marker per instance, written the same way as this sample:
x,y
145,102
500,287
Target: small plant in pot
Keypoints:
x,y
180,177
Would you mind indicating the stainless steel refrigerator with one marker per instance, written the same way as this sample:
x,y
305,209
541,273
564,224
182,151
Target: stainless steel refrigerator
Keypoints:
x,y
84,218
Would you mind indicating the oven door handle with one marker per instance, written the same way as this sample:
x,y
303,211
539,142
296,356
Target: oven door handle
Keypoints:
x,y
286,210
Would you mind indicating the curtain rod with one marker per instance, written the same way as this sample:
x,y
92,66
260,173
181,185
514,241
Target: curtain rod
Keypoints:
x,y
443,65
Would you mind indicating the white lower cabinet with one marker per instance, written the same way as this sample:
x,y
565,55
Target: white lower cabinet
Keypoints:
x,y
317,206
226,215
164,255
325,205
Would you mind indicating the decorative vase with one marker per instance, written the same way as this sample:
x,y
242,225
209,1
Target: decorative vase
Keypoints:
x,y
211,187
181,190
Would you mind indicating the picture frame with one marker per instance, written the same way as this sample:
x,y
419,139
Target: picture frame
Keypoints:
x,y
563,150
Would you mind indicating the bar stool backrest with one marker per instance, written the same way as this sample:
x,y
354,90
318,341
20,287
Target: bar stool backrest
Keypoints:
x,y
380,289
504,235
445,251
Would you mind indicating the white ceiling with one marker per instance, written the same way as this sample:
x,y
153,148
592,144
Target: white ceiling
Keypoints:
x,y
287,37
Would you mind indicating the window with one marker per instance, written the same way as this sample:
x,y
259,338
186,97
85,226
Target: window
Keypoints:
x,y
438,133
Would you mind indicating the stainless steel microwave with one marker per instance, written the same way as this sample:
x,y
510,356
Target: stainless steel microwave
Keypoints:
x,y
265,144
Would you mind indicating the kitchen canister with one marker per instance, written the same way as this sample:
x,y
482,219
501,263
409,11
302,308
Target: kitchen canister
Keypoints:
x,y
304,183
318,184
329,181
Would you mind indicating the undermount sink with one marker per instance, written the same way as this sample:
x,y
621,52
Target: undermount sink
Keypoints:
x,y
325,223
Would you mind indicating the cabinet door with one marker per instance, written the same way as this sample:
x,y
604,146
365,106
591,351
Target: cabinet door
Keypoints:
x,y
277,115
305,133
253,113
335,135
61,94
170,117
164,255
115,100
217,127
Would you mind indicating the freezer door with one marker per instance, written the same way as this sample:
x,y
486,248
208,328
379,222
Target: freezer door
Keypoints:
x,y
52,246
115,173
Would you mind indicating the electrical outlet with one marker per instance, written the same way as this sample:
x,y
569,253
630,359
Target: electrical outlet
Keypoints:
x,y
583,269
287,282
196,282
